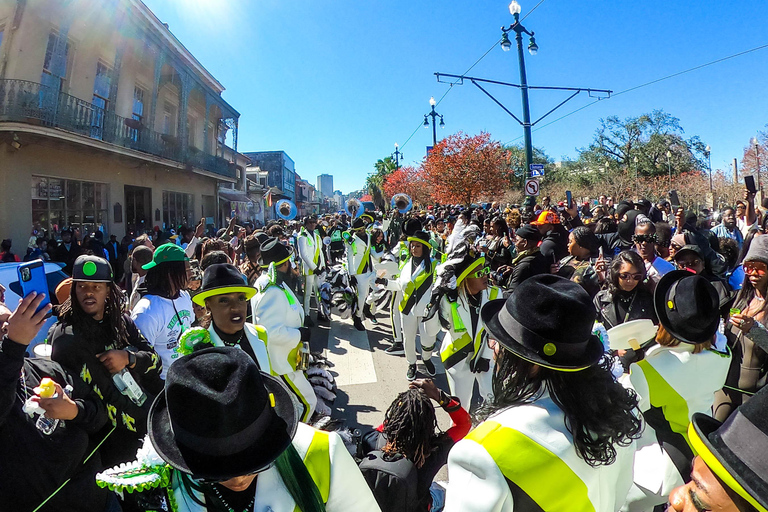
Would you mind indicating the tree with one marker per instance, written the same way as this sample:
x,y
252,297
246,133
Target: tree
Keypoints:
x,y
752,157
515,157
410,181
373,183
464,169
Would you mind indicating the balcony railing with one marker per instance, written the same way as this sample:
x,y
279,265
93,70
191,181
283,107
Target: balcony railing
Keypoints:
x,y
34,103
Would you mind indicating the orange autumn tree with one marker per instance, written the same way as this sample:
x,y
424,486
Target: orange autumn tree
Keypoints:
x,y
407,180
464,169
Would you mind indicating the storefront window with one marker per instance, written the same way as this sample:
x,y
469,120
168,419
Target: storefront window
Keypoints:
x,y
59,203
177,209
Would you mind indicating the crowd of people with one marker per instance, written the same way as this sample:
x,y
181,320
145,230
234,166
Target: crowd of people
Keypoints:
x,y
599,356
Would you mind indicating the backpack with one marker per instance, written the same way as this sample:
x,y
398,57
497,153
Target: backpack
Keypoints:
x,y
393,481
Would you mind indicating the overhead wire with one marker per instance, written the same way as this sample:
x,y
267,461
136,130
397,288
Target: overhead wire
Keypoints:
x,y
651,82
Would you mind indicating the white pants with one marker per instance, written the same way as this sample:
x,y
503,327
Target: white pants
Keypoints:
x,y
412,324
397,317
461,382
305,396
310,289
364,285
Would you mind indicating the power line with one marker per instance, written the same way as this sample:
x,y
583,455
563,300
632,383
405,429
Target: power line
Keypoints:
x,y
531,11
634,88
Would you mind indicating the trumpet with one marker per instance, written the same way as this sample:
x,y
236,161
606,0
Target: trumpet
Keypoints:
x,y
402,203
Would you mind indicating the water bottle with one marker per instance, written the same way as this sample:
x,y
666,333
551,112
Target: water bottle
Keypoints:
x,y
303,357
127,385
47,425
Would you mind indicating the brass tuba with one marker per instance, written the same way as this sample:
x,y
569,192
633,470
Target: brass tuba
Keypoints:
x,y
402,203
286,209
354,208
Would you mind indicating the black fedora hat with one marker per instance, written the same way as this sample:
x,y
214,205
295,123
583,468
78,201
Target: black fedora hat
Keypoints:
x,y
547,320
411,226
737,450
358,223
687,305
219,417
274,251
222,278
420,237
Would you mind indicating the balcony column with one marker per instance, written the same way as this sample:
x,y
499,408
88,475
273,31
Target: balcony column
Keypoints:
x,y
111,129
159,61
186,87
206,143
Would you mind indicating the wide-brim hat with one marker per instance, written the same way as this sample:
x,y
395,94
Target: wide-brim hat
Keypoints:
x,y
166,253
548,321
273,251
687,305
420,236
92,268
219,417
412,226
222,278
358,223
737,449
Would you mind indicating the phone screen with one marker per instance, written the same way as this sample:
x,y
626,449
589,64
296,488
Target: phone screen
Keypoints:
x,y
568,199
749,182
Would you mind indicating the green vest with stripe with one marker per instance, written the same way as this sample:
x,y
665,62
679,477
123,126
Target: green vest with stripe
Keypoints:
x,y
318,463
416,289
312,242
458,349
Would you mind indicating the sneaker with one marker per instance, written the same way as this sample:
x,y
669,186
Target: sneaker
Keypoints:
x,y
411,374
358,324
430,367
308,322
396,349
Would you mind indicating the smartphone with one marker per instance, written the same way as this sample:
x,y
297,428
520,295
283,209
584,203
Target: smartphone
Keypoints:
x,y
749,181
674,201
568,199
32,279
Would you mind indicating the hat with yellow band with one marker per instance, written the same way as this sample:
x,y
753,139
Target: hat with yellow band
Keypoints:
x,y
737,449
273,251
420,237
222,278
548,321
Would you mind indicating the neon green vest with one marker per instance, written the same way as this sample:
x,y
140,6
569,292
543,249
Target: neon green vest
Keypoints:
x,y
311,241
456,350
420,284
318,463
538,472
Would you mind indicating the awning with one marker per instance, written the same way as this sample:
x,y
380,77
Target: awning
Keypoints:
x,y
233,195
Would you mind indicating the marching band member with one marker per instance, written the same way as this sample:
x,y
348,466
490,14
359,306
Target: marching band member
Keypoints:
x,y
276,308
310,246
359,266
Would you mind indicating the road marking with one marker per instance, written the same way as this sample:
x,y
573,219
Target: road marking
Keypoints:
x,y
350,353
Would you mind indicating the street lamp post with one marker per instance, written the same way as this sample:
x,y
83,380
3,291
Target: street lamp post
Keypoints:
x,y
533,48
397,154
433,115
707,152
757,159
637,185
669,167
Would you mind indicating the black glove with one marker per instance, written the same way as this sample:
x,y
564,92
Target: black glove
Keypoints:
x,y
452,294
305,333
352,280
480,365
381,281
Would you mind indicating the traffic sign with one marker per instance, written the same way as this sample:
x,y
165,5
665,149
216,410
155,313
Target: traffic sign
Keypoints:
x,y
535,173
536,167
532,187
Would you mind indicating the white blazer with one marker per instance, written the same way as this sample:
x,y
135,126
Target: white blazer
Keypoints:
x,y
307,244
273,311
258,346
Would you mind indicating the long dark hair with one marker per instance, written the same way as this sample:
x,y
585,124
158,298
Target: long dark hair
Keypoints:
x,y
599,412
293,472
409,426
167,279
630,257
745,296
71,313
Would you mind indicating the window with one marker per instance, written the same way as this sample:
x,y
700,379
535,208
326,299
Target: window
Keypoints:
x,y
138,110
101,86
58,203
178,209
2,30
169,119
55,66
192,131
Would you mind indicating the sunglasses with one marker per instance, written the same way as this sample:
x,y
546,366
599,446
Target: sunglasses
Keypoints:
x,y
755,267
639,239
626,276
485,271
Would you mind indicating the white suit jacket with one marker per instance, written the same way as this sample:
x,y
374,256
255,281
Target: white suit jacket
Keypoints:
x,y
258,346
308,244
273,311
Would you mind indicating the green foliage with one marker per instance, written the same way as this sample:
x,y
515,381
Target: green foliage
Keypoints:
x,y
375,181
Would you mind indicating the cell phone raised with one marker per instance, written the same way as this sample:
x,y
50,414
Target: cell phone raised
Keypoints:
x,y
32,279
749,182
674,200
568,199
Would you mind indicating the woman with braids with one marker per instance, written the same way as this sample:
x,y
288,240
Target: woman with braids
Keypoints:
x,y
559,433
225,437
410,431
95,340
165,312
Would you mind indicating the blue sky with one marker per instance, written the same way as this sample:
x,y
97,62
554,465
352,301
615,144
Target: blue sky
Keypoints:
x,y
336,83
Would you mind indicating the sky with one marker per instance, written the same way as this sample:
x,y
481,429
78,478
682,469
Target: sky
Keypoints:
x,y
335,84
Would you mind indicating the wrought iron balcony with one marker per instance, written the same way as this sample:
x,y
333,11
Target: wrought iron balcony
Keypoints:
x,y
33,103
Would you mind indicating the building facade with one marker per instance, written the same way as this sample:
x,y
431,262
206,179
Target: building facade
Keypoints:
x,y
107,122
280,169
325,185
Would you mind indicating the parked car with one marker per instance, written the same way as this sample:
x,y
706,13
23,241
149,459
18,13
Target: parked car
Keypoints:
x,y
9,277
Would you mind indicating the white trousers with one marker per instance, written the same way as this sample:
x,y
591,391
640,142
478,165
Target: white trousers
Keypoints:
x,y
310,289
397,316
411,325
461,382
301,388
364,285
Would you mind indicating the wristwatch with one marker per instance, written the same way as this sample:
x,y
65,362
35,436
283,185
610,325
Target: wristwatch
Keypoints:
x,y
131,359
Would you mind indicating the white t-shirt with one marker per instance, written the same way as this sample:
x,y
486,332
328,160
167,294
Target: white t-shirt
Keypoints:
x,y
162,321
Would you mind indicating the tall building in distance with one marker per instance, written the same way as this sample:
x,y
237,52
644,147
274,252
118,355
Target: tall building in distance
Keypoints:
x,y
325,184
